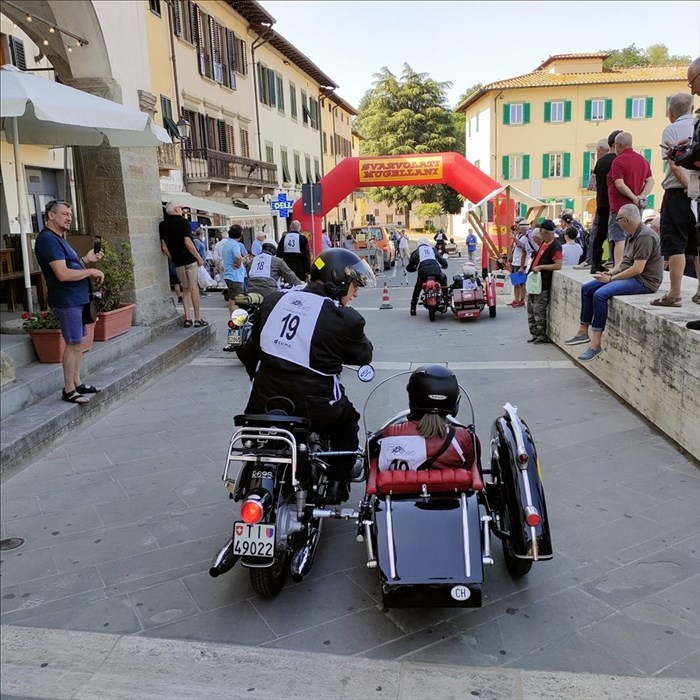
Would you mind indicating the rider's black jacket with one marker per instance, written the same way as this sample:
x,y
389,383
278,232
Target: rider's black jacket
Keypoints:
x,y
427,268
337,338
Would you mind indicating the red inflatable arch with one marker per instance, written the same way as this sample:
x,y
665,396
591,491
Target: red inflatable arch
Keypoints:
x,y
386,171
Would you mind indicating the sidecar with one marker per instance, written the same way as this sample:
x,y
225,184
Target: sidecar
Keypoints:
x,y
429,533
469,303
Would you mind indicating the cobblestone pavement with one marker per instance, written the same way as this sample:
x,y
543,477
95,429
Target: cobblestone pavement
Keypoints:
x,y
121,520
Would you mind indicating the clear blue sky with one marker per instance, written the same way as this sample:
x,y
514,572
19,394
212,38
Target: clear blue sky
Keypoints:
x,y
471,42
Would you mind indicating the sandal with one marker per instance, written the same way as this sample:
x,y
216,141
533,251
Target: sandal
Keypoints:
x,y
74,397
666,300
188,323
200,323
87,389
696,298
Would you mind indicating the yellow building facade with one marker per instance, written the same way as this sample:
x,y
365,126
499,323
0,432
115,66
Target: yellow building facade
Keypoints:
x,y
539,131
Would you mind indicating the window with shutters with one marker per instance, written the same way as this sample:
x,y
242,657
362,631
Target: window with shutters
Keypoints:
x,y
269,152
263,84
313,113
305,114
217,68
307,164
203,42
285,165
298,179
212,136
317,169
271,88
230,59
166,111
597,110
154,7
293,101
241,57
221,136
325,142
183,19
230,138
516,114
280,92
332,140
17,55
556,111
556,165
639,108
245,143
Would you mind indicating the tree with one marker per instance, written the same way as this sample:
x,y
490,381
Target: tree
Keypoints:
x,y
429,210
406,115
632,57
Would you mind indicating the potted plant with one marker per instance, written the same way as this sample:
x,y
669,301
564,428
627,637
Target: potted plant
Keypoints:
x,y
114,315
45,332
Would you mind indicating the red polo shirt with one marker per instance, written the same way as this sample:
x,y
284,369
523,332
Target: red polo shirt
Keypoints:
x,y
633,170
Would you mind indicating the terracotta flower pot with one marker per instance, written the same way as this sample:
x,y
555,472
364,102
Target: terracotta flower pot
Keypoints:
x,y
113,323
49,344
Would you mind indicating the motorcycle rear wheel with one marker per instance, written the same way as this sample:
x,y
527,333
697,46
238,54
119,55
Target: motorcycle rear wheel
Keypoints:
x,y
268,582
431,313
516,567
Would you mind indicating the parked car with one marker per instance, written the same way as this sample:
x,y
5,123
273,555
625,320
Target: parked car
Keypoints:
x,y
381,234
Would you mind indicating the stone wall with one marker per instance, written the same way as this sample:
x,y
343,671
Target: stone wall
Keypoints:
x,y
650,359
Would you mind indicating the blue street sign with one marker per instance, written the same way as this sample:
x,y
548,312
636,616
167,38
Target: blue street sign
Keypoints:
x,y
281,205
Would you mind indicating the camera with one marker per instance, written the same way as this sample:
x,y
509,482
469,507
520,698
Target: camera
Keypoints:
x,y
675,153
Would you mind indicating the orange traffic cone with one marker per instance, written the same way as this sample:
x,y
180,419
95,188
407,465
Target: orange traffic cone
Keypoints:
x,y
385,297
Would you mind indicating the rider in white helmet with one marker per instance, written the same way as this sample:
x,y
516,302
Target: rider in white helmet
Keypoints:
x,y
470,279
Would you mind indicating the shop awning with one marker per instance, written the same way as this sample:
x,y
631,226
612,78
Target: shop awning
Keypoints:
x,y
255,207
204,204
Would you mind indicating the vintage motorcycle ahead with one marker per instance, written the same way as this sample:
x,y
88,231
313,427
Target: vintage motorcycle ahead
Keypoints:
x,y
240,325
427,533
432,298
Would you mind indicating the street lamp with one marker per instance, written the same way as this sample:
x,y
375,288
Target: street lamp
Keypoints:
x,y
183,128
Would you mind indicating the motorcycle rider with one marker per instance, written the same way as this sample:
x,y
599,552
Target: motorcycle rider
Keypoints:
x,y
293,248
266,269
428,263
440,239
469,279
428,437
298,348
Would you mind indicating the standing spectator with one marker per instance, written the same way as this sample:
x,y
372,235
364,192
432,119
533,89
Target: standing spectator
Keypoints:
x,y
177,244
571,250
629,180
677,218
640,272
256,247
394,235
522,250
293,248
218,253
547,259
202,250
325,241
471,245
234,271
67,277
349,242
372,250
567,220
404,253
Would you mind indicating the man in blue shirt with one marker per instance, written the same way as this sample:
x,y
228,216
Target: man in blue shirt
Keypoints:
x,y
234,271
471,245
67,282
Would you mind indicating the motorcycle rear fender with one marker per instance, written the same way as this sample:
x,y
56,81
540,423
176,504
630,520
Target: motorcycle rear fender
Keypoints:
x,y
258,475
517,484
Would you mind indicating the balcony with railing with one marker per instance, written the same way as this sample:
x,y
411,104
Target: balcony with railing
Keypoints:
x,y
214,168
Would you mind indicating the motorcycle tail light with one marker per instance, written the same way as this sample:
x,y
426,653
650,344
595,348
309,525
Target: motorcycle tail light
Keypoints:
x,y
532,517
251,512
522,458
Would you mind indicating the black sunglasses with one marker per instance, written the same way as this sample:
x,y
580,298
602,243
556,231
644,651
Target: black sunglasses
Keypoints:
x,y
52,204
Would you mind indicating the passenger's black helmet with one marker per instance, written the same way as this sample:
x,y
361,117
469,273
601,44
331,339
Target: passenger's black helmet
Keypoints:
x,y
433,389
335,268
269,247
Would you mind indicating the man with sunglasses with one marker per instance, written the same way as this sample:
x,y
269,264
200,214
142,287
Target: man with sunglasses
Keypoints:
x,y
67,280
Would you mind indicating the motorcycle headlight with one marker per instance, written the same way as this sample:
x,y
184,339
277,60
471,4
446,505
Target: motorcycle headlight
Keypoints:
x,y
238,318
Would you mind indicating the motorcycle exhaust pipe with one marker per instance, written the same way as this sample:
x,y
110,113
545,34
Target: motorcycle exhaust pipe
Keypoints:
x,y
224,560
303,558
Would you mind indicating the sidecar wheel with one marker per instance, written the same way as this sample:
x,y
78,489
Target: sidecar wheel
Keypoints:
x,y
516,567
492,311
267,583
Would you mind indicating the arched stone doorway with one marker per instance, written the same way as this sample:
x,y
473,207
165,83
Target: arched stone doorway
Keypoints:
x,y
118,188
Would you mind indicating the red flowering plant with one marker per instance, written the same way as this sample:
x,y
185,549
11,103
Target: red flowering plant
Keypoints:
x,y
39,320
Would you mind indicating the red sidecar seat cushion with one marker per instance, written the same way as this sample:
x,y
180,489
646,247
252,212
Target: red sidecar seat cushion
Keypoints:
x,y
436,480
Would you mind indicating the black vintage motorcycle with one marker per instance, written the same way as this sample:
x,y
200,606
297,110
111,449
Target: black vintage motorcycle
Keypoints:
x,y
427,533
240,325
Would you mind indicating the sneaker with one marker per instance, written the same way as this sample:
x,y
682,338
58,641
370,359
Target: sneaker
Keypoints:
x,y
577,340
532,339
582,266
589,354
413,312
540,340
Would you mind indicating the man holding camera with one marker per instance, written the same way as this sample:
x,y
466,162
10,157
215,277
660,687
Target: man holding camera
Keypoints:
x,y
629,180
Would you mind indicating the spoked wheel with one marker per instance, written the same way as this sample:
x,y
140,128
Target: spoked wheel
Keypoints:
x,y
516,567
431,313
268,582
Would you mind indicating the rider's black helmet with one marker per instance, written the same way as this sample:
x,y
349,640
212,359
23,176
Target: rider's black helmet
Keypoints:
x,y
433,389
269,247
335,268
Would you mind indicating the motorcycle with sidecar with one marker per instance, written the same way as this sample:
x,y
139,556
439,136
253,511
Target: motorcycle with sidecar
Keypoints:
x,y
428,533
432,297
468,301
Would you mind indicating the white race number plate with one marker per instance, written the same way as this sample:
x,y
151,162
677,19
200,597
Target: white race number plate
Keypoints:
x,y
254,540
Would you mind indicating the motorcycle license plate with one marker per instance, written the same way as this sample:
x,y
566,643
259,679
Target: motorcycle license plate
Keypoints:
x,y
235,336
254,540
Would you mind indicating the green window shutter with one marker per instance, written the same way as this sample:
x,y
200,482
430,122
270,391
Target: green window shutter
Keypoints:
x,y
647,155
569,204
650,201
586,168
567,110
650,108
545,165
526,113
567,165
526,167
506,114
587,110
608,109
547,112
522,208
628,108
506,166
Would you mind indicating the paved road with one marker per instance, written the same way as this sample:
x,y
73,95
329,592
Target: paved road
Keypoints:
x,y
121,520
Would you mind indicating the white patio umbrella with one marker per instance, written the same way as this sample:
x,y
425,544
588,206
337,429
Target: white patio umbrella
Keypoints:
x,y
39,111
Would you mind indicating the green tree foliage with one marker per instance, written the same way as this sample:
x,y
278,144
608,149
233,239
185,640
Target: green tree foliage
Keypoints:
x,y
407,114
632,57
428,210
